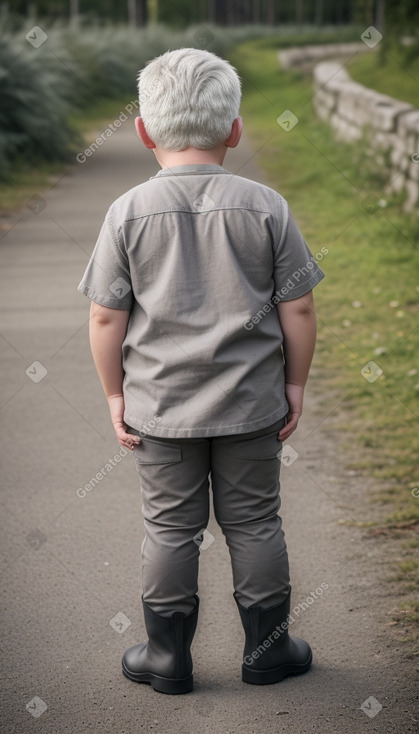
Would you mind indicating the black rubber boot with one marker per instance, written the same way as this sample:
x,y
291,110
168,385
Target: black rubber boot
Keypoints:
x,y
270,653
165,660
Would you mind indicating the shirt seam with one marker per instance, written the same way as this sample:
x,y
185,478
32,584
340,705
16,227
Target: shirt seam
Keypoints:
x,y
115,237
193,173
188,211
284,218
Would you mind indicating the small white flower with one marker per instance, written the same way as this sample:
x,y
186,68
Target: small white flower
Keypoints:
x,y
393,304
382,203
411,373
346,322
357,304
380,350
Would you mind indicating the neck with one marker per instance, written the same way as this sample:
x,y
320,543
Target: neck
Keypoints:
x,y
171,158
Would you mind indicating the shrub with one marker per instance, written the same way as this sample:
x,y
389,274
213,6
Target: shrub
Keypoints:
x,y
41,88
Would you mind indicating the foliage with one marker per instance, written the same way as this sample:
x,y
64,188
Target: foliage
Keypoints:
x,y
184,13
401,30
395,77
30,86
77,67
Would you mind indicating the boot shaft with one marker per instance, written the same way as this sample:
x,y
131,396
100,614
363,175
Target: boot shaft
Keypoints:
x,y
266,633
170,639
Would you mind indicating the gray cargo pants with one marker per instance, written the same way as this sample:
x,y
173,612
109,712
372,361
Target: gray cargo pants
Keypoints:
x,y
244,471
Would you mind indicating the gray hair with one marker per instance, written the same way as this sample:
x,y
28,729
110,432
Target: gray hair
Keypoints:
x,y
189,98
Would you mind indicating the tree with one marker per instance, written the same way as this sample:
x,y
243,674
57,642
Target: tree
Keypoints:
x,y
318,12
270,12
299,11
74,12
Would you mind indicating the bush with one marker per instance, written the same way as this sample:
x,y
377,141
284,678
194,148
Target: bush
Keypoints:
x,y
43,87
36,101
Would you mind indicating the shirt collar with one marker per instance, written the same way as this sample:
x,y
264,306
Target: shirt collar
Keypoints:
x,y
191,168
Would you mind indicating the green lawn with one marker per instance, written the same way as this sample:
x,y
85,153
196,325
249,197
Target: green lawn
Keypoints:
x,y
368,304
391,74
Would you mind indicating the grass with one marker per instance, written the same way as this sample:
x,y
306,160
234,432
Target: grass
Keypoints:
x,y
391,74
369,303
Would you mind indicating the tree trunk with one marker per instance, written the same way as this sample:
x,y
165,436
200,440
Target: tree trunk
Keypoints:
x,y
141,13
211,11
231,12
131,12
219,12
299,12
318,13
270,12
74,12
379,15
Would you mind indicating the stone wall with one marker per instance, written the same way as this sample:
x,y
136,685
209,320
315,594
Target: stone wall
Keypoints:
x,y
356,112
301,56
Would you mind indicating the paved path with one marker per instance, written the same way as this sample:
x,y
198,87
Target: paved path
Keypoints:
x,y
71,564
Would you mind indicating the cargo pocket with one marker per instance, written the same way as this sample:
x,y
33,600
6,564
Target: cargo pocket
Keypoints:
x,y
260,448
154,452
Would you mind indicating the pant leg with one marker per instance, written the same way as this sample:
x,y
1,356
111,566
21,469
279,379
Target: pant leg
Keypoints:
x,y
175,493
245,484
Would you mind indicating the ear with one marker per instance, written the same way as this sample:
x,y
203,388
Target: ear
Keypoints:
x,y
142,133
236,133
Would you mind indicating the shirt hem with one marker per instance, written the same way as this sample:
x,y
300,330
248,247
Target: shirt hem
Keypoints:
x,y
304,288
118,304
206,432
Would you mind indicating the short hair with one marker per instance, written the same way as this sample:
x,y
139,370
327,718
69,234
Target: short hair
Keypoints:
x,y
189,98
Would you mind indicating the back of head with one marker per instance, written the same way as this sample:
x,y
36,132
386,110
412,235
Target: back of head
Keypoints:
x,y
189,98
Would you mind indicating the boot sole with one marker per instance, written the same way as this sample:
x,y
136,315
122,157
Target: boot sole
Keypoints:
x,y
274,675
158,683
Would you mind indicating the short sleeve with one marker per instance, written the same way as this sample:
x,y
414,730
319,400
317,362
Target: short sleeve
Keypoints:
x,y
107,278
296,270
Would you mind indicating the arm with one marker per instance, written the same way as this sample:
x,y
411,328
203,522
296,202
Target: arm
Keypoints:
x,y
298,324
107,330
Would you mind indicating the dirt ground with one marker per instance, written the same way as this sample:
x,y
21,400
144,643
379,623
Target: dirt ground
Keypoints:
x,y
71,564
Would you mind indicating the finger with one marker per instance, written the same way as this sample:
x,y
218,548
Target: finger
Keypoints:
x,y
128,440
285,436
289,428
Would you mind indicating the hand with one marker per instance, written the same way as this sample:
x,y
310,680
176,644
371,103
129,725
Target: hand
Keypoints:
x,y
127,440
295,396
117,407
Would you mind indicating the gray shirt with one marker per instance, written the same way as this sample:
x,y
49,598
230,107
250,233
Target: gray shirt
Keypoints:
x,y
201,257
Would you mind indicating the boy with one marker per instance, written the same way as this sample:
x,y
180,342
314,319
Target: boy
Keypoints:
x,y
202,331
